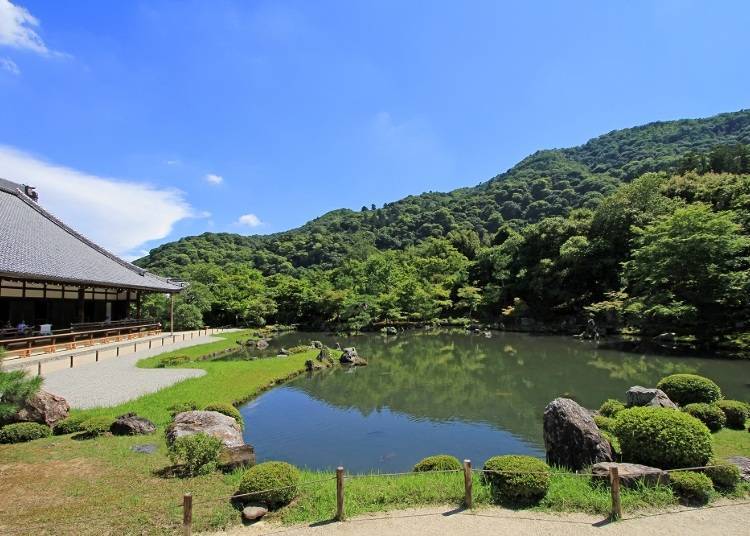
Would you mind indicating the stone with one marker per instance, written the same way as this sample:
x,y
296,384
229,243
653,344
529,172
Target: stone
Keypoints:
x,y
231,458
208,422
350,357
643,396
44,408
253,513
324,355
310,365
632,473
148,448
571,437
317,345
284,352
132,424
743,463
261,344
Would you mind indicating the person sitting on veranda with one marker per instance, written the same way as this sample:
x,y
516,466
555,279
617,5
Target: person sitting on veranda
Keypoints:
x,y
22,327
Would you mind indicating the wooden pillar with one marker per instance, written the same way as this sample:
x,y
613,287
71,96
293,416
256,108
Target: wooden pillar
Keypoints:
x,y
340,494
614,482
171,313
138,304
81,313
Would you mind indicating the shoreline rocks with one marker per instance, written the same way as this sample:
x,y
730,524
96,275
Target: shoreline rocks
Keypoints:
x,y
208,422
571,437
632,473
643,396
132,424
350,357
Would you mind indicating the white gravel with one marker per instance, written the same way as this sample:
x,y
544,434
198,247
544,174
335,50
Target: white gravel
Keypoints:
x,y
117,380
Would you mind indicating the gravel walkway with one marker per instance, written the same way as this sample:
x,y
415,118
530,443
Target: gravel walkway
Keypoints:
x,y
722,520
117,380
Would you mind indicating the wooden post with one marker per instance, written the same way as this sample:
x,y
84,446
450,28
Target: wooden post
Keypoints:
x,y
117,351
71,361
468,484
97,356
135,347
171,313
39,368
149,343
187,514
339,494
614,481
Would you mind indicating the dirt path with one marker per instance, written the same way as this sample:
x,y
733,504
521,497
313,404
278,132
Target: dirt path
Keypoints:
x,y
722,519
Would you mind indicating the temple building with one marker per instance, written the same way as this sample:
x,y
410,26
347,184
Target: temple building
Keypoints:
x,y
53,279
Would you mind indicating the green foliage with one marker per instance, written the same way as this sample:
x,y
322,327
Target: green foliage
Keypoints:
x,y
298,349
228,410
686,389
691,487
517,480
198,454
274,484
725,476
736,412
439,462
613,442
96,426
15,388
181,407
21,432
604,423
173,361
70,425
709,414
662,437
611,407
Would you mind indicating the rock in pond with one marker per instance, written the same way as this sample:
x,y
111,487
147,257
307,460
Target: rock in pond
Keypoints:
x,y
311,365
284,351
44,408
253,513
235,457
743,463
643,396
132,424
571,438
262,344
350,357
632,473
208,422
317,345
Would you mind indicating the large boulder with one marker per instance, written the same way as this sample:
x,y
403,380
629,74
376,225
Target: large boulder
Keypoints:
x,y
350,357
132,424
44,408
632,474
743,464
643,396
208,422
231,458
571,438
261,344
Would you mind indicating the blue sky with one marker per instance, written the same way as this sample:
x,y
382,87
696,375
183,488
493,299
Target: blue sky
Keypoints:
x,y
141,122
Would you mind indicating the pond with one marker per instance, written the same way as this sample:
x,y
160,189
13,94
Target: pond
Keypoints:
x,y
448,392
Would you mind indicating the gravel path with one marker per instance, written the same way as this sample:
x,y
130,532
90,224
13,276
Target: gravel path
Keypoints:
x,y
117,380
724,519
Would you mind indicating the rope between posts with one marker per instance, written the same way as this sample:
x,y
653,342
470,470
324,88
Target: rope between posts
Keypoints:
x,y
232,497
550,473
374,475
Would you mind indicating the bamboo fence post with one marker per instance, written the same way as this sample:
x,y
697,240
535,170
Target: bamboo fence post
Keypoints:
x,y
339,494
187,514
614,479
468,484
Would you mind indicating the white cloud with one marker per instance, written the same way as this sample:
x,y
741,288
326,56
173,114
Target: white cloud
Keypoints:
x,y
214,179
17,29
119,215
10,66
172,162
251,220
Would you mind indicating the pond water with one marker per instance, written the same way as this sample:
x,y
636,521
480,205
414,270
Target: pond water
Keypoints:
x,y
448,392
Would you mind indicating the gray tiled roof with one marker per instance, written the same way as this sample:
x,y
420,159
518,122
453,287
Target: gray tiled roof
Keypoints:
x,y
36,245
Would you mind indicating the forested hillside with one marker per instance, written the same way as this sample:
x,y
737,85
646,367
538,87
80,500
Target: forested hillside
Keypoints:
x,y
562,234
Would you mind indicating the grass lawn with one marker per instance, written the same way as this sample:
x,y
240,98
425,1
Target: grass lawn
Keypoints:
x,y
62,485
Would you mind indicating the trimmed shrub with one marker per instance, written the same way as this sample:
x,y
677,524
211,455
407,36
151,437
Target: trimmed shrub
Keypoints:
x,y
96,426
299,349
736,413
709,414
724,475
181,407
174,360
604,423
521,480
229,410
281,478
197,453
691,487
21,432
684,389
439,462
611,407
71,425
662,437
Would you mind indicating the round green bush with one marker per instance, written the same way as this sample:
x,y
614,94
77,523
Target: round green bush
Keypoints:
x,y
96,426
709,414
724,475
520,480
279,477
662,437
691,487
71,425
197,453
686,389
604,423
439,462
611,407
21,432
229,410
736,413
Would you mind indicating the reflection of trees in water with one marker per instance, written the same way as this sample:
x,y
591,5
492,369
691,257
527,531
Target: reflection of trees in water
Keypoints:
x,y
505,381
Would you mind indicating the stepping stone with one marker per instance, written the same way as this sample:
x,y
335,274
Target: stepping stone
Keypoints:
x,y
631,473
253,513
